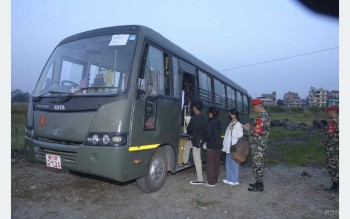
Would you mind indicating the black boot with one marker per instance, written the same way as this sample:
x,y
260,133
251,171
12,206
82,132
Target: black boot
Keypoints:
x,y
333,188
253,184
258,188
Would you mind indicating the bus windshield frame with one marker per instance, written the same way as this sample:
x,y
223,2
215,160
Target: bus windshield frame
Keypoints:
x,y
93,66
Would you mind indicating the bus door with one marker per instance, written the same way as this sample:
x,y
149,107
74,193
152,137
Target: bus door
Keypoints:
x,y
157,108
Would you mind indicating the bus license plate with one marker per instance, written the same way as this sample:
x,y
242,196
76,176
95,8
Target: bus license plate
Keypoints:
x,y
53,161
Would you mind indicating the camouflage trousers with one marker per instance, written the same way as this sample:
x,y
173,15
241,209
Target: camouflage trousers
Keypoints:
x,y
332,165
258,156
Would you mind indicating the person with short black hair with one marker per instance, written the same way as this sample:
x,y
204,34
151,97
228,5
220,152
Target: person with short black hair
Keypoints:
x,y
214,146
196,130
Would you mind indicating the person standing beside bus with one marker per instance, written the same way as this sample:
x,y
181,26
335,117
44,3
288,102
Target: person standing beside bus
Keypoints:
x,y
258,137
214,146
330,140
233,132
196,130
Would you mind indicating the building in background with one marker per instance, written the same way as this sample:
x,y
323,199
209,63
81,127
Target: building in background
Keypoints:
x,y
269,99
318,97
292,100
333,98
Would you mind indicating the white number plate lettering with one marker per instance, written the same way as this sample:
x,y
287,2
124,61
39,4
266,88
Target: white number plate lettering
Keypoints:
x,y
53,161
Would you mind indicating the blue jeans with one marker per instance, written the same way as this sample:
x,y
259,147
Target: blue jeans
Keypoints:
x,y
232,169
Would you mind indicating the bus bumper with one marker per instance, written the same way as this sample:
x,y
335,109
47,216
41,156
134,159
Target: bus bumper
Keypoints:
x,y
115,163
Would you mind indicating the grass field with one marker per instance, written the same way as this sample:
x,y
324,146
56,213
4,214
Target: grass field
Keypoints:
x,y
285,146
18,124
295,147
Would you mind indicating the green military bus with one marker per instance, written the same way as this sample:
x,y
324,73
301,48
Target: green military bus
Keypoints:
x,y
109,102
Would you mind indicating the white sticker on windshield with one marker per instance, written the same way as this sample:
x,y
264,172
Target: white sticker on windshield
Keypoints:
x,y
119,40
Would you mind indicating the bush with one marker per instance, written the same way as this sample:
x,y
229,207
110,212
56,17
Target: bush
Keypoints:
x,y
275,109
315,109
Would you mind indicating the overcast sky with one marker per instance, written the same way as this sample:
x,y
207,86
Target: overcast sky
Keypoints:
x,y
264,46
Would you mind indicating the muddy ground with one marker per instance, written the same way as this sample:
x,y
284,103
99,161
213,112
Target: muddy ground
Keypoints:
x,y
40,192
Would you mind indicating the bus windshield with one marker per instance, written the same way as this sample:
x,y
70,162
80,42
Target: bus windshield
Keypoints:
x,y
90,66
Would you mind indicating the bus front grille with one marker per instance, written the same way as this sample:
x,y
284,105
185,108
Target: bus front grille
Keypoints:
x,y
66,156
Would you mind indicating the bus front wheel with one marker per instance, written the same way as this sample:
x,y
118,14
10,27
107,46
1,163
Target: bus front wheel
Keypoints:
x,y
157,173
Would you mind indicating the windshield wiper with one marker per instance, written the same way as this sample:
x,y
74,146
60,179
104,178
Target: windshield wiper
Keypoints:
x,y
36,99
65,98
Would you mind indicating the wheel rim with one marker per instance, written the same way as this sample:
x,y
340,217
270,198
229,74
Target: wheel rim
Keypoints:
x,y
156,170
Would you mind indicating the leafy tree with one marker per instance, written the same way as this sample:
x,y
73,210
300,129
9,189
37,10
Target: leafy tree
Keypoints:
x,y
280,102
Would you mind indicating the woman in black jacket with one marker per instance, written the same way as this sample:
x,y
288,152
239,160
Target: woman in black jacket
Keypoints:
x,y
214,146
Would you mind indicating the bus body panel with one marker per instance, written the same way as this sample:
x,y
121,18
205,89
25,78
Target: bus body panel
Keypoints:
x,y
111,117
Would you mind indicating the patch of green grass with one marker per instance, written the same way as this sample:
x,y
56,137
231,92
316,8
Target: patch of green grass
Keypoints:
x,y
295,153
301,154
272,161
18,125
279,133
201,203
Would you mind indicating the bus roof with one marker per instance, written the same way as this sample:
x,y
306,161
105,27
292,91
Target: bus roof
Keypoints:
x,y
159,39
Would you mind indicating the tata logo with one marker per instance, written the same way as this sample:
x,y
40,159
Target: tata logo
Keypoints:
x,y
59,107
56,131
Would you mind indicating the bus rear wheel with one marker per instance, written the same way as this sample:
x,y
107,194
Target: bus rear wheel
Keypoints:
x,y
157,173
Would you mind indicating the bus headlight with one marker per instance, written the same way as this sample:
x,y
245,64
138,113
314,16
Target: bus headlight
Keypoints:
x,y
94,139
106,139
117,139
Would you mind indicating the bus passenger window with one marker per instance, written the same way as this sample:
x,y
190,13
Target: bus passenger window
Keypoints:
x,y
150,115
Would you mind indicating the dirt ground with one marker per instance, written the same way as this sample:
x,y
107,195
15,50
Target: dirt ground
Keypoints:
x,y
40,192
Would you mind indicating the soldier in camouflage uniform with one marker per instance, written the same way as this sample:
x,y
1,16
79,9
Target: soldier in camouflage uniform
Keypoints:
x,y
330,139
258,136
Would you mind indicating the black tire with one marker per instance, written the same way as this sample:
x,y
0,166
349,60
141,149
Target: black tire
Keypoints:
x,y
157,172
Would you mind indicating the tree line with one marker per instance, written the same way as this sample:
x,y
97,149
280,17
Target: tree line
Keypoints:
x,y
17,96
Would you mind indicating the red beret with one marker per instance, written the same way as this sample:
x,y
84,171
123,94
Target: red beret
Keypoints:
x,y
257,101
335,107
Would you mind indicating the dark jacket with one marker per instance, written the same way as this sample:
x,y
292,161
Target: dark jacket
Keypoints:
x,y
196,129
213,134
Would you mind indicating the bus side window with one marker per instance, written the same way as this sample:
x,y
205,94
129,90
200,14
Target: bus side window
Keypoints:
x,y
151,79
150,115
167,76
176,77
